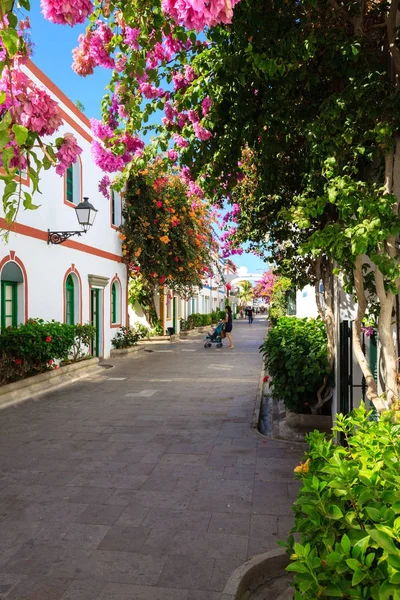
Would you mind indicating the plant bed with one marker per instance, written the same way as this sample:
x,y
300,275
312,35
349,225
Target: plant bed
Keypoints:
x,y
260,578
30,387
307,423
116,352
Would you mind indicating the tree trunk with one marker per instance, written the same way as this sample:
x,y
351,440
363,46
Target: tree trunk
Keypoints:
x,y
372,392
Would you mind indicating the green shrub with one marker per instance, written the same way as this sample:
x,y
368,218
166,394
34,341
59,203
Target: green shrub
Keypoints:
x,y
157,329
142,330
126,337
184,325
295,355
348,513
36,346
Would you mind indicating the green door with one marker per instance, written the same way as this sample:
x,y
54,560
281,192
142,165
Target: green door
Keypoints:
x,y
174,323
9,304
95,319
69,301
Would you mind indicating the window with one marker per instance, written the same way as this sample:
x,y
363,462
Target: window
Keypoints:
x,y
9,301
73,183
116,208
70,301
69,185
13,299
116,303
169,303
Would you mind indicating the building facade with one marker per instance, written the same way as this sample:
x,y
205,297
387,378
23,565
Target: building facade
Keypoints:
x,y
82,280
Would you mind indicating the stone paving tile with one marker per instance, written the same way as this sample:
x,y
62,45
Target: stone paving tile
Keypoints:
x,y
38,589
86,589
123,567
124,539
165,519
101,514
223,523
107,496
186,573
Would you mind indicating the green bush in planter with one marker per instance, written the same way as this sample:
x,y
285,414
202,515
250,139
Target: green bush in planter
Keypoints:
x,y
34,346
295,355
126,337
348,513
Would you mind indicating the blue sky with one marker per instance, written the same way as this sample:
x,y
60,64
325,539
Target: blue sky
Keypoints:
x,y
52,53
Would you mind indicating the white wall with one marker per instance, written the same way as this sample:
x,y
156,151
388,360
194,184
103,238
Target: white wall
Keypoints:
x,y
306,305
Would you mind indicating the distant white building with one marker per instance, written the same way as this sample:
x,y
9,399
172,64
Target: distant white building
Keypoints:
x,y
82,280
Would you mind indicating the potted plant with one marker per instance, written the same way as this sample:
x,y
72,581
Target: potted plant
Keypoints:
x,y
296,358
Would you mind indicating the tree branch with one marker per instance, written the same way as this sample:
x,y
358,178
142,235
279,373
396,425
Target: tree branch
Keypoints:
x,y
391,34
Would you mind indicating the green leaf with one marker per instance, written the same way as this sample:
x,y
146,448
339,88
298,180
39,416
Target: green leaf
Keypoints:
x,y
352,563
358,576
334,512
10,40
345,543
333,590
28,205
297,567
373,513
21,133
384,541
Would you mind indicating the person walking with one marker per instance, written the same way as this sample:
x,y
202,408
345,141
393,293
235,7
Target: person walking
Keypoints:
x,y
250,314
228,326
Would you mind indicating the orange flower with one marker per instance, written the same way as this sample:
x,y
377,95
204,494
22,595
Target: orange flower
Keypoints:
x,y
165,239
303,467
138,252
122,236
181,269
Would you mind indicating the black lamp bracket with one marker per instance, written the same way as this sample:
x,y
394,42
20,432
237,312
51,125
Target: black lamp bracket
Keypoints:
x,y
58,237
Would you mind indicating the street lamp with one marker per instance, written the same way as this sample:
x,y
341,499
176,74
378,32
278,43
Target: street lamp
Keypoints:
x,y
85,213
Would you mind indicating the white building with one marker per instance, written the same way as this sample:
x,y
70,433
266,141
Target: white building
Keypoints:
x,y
83,279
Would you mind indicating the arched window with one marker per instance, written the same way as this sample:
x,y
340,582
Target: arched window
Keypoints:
x,y
73,183
70,301
72,297
116,302
12,295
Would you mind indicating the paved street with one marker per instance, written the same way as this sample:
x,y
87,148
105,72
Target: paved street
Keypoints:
x,y
145,483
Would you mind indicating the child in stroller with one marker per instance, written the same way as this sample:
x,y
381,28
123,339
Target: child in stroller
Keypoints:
x,y
214,336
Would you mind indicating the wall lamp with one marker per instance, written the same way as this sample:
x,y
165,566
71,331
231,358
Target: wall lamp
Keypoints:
x,y
85,213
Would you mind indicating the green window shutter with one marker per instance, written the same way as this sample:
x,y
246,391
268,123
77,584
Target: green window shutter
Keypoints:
x,y
114,303
112,207
70,184
9,304
70,301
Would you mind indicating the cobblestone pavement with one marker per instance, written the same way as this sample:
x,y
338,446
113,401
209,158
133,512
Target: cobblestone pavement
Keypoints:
x,y
144,483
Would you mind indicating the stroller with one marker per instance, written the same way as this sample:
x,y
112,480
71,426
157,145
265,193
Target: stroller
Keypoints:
x,y
214,336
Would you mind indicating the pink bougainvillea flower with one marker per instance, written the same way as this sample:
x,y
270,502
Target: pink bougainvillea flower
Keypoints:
x,y
104,186
101,130
67,153
180,141
105,159
201,133
66,12
130,37
198,14
172,155
206,105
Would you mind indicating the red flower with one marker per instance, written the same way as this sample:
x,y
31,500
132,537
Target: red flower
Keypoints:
x,y
265,379
51,361
176,259
305,403
162,279
18,361
159,204
48,339
56,366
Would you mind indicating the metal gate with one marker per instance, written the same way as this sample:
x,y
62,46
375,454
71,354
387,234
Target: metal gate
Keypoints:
x,y
346,374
